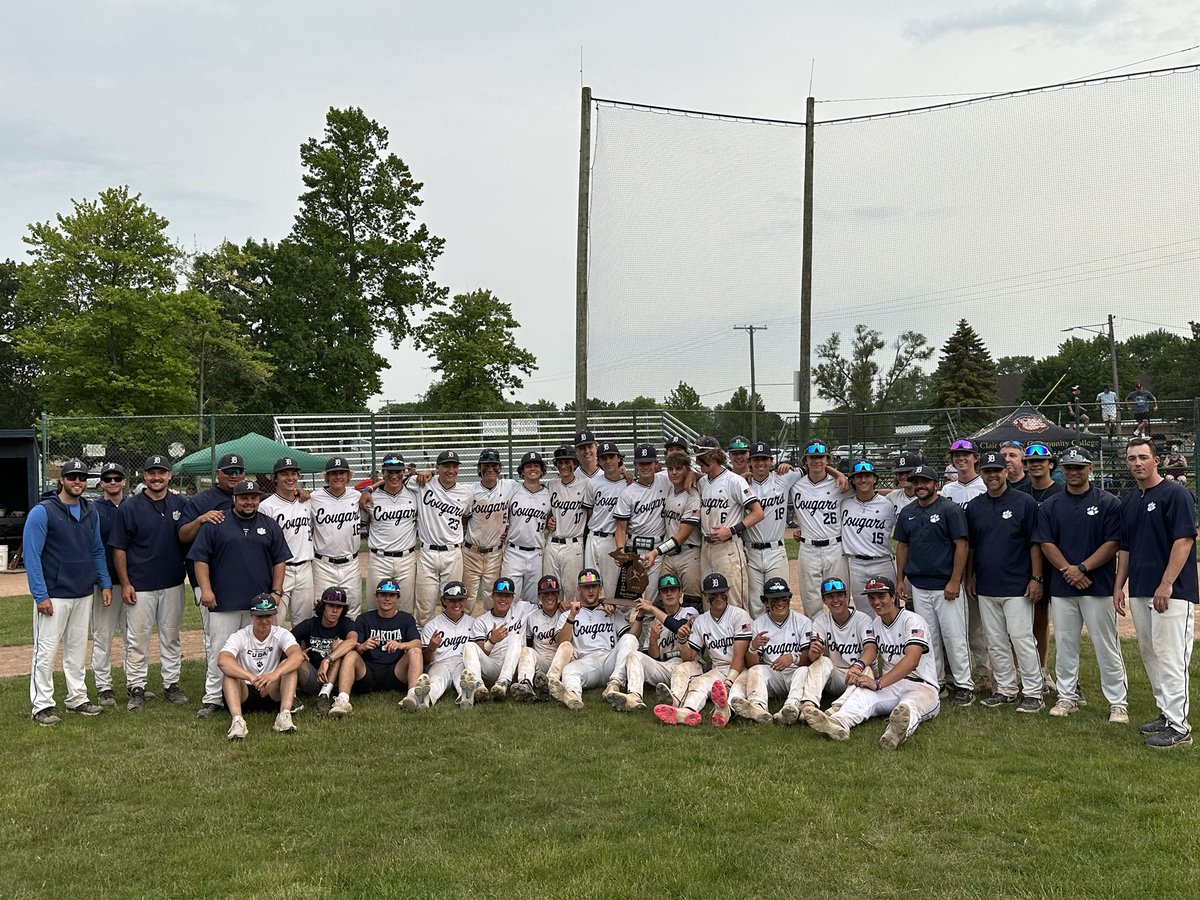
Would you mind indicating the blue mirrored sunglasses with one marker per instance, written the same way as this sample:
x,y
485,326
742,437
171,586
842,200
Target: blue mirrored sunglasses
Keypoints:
x,y
1037,450
832,584
863,466
815,448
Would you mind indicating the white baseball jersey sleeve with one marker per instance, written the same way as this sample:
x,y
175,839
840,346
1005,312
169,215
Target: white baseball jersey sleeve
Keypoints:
x,y
596,629
641,507
335,522
518,614
724,500
489,514
440,512
792,635
817,507
258,656
899,499
294,517
566,504
717,636
393,521
683,507
867,527
601,498
907,629
773,496
455,636
844,643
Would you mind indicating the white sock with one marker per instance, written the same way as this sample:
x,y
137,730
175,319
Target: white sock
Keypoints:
x,y
326,690
344,696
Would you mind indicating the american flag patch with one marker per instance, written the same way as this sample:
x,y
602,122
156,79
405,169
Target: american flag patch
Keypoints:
x,y
918,632
870,633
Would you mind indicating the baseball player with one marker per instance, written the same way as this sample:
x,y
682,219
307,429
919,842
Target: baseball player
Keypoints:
x,y
392,536
816,499
766,557
294,516
1039,460
64,561
727,509
659,660
336,526
739,456
779,647
724,632
258,666
964,455
931,552
868,519
497,641
442,641
680,552
842,647
596,633
563,555
318,636
528,515
108,620
381,655
541,655
443,505
1156,572
638,517
236,559
1004,571
600,499
1080,533
149,563
585,453
483,547
903,494
906,688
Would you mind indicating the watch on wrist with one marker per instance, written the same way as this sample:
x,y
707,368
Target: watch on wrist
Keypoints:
x,y
1039,579
1083,570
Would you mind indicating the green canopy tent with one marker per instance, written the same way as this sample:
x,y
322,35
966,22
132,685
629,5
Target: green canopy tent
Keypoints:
x,y
259,452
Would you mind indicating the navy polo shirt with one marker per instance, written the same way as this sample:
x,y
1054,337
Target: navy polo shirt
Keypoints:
x,y
1000,530
400,627
1078,524
194,508
240,554
148,531
1151,521
930,532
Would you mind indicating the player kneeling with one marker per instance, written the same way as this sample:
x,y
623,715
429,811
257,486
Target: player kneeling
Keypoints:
x,y
497,640
723,631
596,633
907,687
383,656
319,637
779,648
259,664
543,655
659,661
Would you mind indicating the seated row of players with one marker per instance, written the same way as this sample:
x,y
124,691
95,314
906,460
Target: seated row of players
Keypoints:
x,y
868,667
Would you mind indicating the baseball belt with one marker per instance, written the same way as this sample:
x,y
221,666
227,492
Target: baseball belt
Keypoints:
x,y
336,560
870,558
526,549
442,546
394,554
565,540
767,546
836,540
293,563
480,550
601,533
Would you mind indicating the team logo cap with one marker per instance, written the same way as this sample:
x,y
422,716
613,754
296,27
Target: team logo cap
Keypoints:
x,y
231,461
1075,456
504,586
991,460
881,585
548,584
776,589
74,466
533,458
761,449
607,448
668,581
583,438
337,464
715,584
645,453
338,596
487,456
447,456
589,576
156,462
245,487
263,605
923,471
107,467
676,440
906,462
566,451
392,461
737,442
283,464
387,586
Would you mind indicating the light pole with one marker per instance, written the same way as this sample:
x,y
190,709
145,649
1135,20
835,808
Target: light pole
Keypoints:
x,y
750,329
1112,346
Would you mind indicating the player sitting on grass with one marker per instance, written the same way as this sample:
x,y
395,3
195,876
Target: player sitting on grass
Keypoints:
x,y
723,631
659,662
318,637
593,630
907,687
843,645
442,642
384,655
497,640
259,665
778,649
540,657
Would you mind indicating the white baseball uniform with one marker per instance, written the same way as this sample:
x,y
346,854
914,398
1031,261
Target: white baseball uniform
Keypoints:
x,y
963,493
392,545
483,550
766,557
683,507
791,637
717,635
440,514
336,526
541,643
844,644
819,555
294,517
641,507
661,664
528,512
563,554
867,542
600,497
447,663
498,662
599,652
723,503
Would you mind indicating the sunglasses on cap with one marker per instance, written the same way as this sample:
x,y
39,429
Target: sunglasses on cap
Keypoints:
x,y
832,584
816,449
113,479
963,445
1037,450
863,466
1016,444
739,445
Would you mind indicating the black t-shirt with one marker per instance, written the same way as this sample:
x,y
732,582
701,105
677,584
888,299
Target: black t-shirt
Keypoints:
x,y
316,640
1151,522
400,627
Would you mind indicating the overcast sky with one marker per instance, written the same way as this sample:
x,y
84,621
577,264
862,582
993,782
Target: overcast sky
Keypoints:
x,y
201,107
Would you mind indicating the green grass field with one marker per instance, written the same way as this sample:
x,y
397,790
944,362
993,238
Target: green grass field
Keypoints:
x,y
514,801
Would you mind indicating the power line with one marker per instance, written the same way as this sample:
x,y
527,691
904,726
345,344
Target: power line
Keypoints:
x,y
1140,61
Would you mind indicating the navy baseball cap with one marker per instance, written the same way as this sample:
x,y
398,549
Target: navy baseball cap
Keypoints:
x,y
583,438
706,442
566,451
776,589
504,585
392,461
547,584
488,456
906,462
1075,456
737,442
107,467
74,466
607,448
387,586
715,583
454,590
447,456
669,581
817,448
283,464
924,471
761,449
991,460
263,605
645,453
157,462
231,461
676,440
245,487
338,596
532,457
337,464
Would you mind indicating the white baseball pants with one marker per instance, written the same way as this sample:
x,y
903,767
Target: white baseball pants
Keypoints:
x,y
298,601
107,621
164,610
595,556
922,700
435,568
814,565
1009,620
67,626
597,668
564,561
1069,615
498,665
443,675
402,570
728,558
698,687
479,573
947,621
642,669
685,565
977,638
861,571
817,680
1165,641
759,683
347,575
524,567
532,663
761,565
219,627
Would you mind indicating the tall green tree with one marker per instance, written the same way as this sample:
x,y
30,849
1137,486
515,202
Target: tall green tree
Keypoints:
x,y
685,404
861,383
475,354
736,417
1155,354
1013,365
1181,381
964,380
20,401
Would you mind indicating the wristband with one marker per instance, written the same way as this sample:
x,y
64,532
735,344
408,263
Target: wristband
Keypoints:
x,y
878,685
488,646
739,529
858,662
667,546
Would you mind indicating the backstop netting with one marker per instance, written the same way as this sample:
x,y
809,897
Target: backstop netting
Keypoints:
x,y
1025,214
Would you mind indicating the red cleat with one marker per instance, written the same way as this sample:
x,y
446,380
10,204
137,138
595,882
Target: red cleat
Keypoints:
x,y
672,715
719,719
719,694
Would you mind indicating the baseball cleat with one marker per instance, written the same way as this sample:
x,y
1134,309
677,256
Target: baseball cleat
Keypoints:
x,y
541,685
663,694
831,728
674,715
237,729
324,702
1030,705
1169,737
720,718
992,701
174,695
558,690
752,711
137,700
634,703
1064,708
410,704
420,689
481,694
500,689
107,699
283,722
46,717
613,689
522,690
1118,715
719,693
962,697
788,713
341,707
1154,727
572,700
86,708
207,710
896,732
617,700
